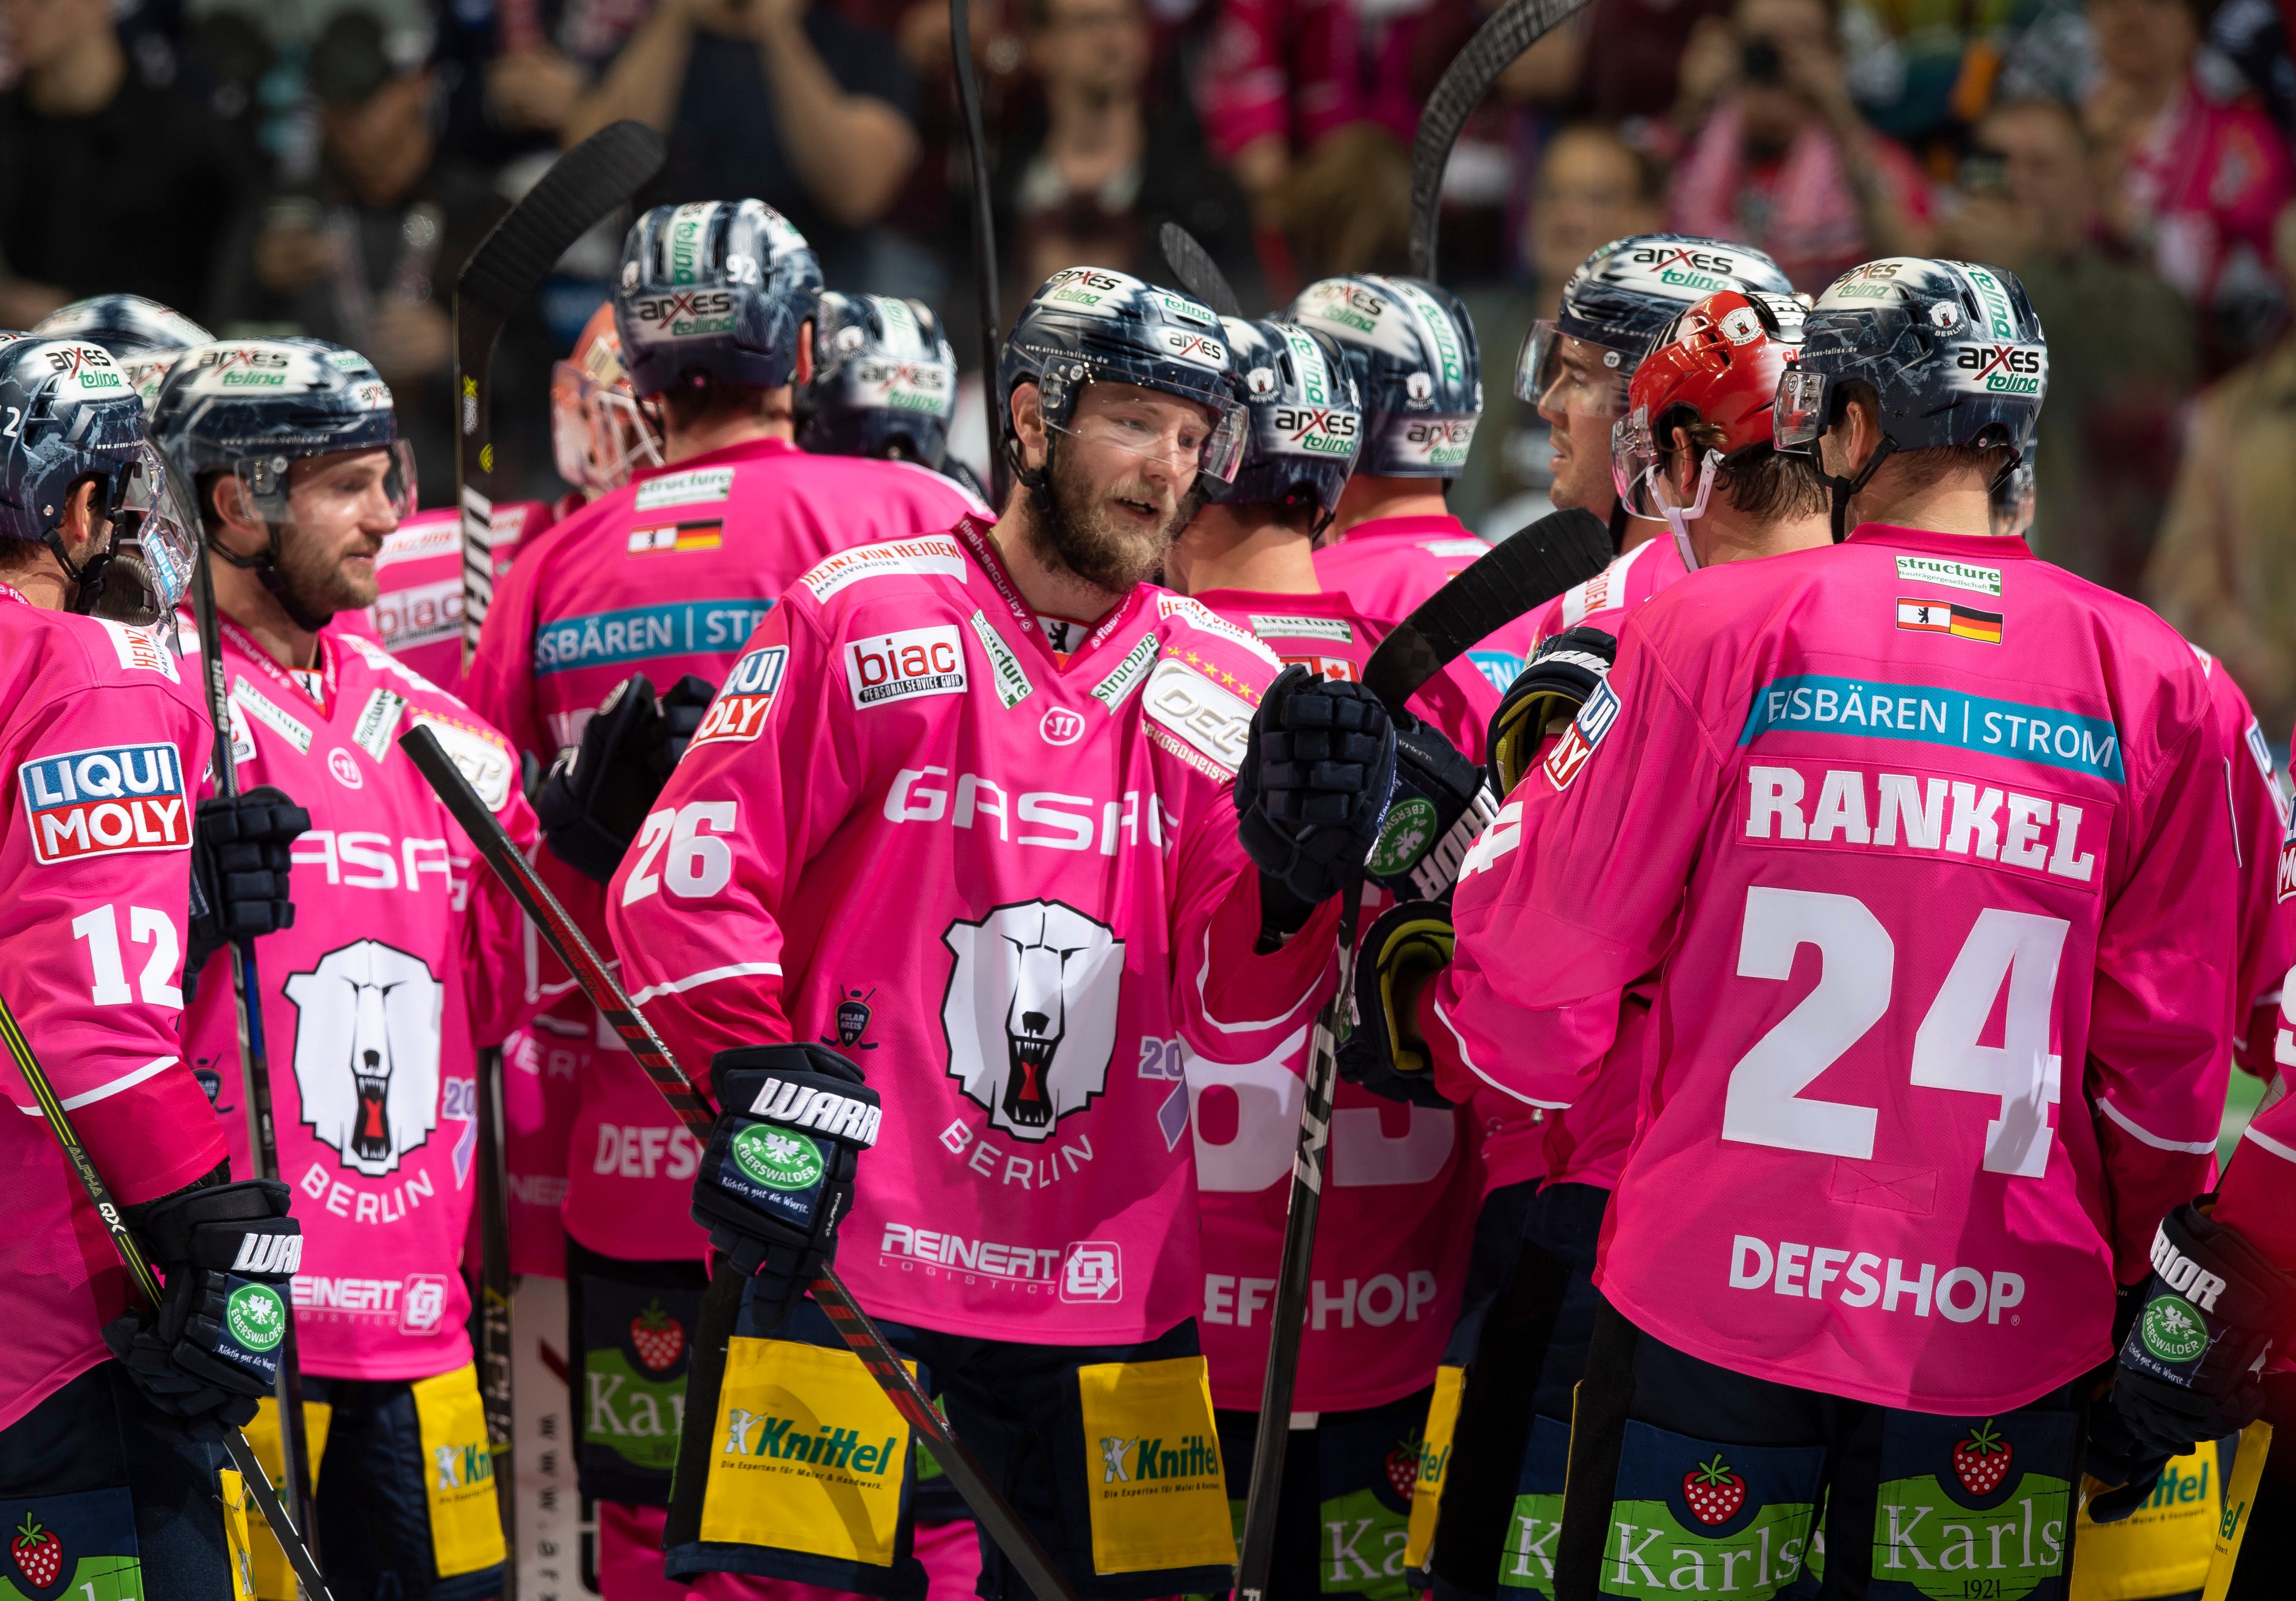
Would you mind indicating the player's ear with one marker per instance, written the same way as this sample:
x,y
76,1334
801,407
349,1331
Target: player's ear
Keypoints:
x,y
1029,423
82,525
805,353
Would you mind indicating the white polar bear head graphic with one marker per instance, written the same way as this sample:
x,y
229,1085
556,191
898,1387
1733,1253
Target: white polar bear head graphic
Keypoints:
x,y
366,1052
1030,1013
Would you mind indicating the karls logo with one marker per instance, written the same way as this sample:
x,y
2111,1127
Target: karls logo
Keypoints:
x,y
686,311
840,1449
897,666
2002,369
738,714
112,799
1318,430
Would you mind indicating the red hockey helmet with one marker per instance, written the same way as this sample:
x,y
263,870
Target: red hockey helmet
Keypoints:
x,y
1718,363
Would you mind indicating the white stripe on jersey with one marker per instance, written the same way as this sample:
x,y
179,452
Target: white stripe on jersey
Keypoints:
x,y
157,1065
709,975
2195,1148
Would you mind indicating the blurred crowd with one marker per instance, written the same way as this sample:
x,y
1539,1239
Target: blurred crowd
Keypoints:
x,y
322,165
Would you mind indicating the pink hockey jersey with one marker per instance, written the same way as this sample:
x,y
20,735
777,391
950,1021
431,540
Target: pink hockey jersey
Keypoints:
x,y
2257,1194
2261,819
1398,1215
405,956
104,739
1010,890
667,575
1390,564
418,614
1589,1145
1922,837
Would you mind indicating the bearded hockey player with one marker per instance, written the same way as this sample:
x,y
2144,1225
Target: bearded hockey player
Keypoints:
x,y
143,336
397,965
1025,757
1392,1248
1989,798
113,1472
664,579
1693,456
1575,367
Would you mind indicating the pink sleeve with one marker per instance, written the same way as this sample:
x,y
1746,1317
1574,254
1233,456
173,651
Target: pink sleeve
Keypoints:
x,y
1243,89
1233,1004
494,937
499,685
695,912
2160,1012
94,943
2257,1195
1640,790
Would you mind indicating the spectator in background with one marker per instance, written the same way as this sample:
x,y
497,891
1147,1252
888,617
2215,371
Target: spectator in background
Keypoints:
x,y
1780,158
1591,188
2225,574
106,183
2120,341
2195,172
1101,173
780,100
355,256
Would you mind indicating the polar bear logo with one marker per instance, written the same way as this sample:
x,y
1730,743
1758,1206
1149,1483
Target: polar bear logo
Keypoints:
x,y
1030,1013
366,1052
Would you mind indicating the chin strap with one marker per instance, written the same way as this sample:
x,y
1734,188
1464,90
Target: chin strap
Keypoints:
x,y
1846,489
1679,518
265,568
1036,480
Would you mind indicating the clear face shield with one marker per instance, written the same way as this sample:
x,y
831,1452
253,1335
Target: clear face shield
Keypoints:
x,y
1798,414
598,435
1639,472
154,546
1191,447
1561,373
341,488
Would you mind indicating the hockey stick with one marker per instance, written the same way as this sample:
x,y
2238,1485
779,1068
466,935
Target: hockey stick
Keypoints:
x,y
139,1269
1529,570
1512,30
984,239
502,275
295,1465
693,1109
1197,272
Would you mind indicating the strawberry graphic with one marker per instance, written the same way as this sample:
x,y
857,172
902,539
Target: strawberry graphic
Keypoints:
x,y
1981,1461
39,1554
1714,1492
657,1336
1403,1469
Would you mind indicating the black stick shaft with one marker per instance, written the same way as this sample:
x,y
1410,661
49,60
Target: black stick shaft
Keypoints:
x,y
147,1283
495,1386
255,1066
1289,1315
984,239
692,1108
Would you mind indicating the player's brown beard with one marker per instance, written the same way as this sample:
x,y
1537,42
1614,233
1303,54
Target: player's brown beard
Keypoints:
x,y
1082,537
311,568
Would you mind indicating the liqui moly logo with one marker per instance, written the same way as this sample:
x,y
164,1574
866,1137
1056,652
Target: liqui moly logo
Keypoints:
x,y
739,711
115,798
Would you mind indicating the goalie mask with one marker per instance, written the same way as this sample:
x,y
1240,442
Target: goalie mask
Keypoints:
x,y
598,435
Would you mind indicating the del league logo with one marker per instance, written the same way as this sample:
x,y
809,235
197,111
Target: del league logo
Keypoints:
x,y
114,798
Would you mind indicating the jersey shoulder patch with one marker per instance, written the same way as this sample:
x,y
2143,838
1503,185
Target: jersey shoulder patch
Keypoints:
x,y
1197,615
142,649
481,754
1198,715
926,555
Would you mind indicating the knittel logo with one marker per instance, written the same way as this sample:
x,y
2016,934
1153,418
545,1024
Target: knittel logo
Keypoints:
x,y
1145,1461
112,799
831,1446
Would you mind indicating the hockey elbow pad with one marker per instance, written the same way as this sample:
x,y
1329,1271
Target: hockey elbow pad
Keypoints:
x,y
1402,952
1552,686
1318,767
2191,1366
596,796
229,1253
1439,804
779,1170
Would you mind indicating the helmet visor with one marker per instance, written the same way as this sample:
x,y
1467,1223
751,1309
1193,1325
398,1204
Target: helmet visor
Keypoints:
x,y
332,490
1798,414
1634,462
1565,375
1218,451
146,520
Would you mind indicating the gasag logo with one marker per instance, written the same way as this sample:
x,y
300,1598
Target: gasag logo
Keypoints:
x,y
2002,369
1316,429
903,665
108,799
681,313
739,711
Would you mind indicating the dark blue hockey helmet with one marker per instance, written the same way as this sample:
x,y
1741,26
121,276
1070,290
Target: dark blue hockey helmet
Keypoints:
x,y
884,380
714,293
143,336
72,418
1087,325
1307,417
1625,295
1952,351
1412,346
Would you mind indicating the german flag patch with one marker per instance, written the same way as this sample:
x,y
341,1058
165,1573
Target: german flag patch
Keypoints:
x,y
1942,617
677,537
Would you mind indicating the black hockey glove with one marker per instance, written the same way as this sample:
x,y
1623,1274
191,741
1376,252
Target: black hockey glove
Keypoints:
x,y
228,1254
1439,804
1408,945
778,1174
1548,692
1318,767
2190,1367
240,858
596,797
